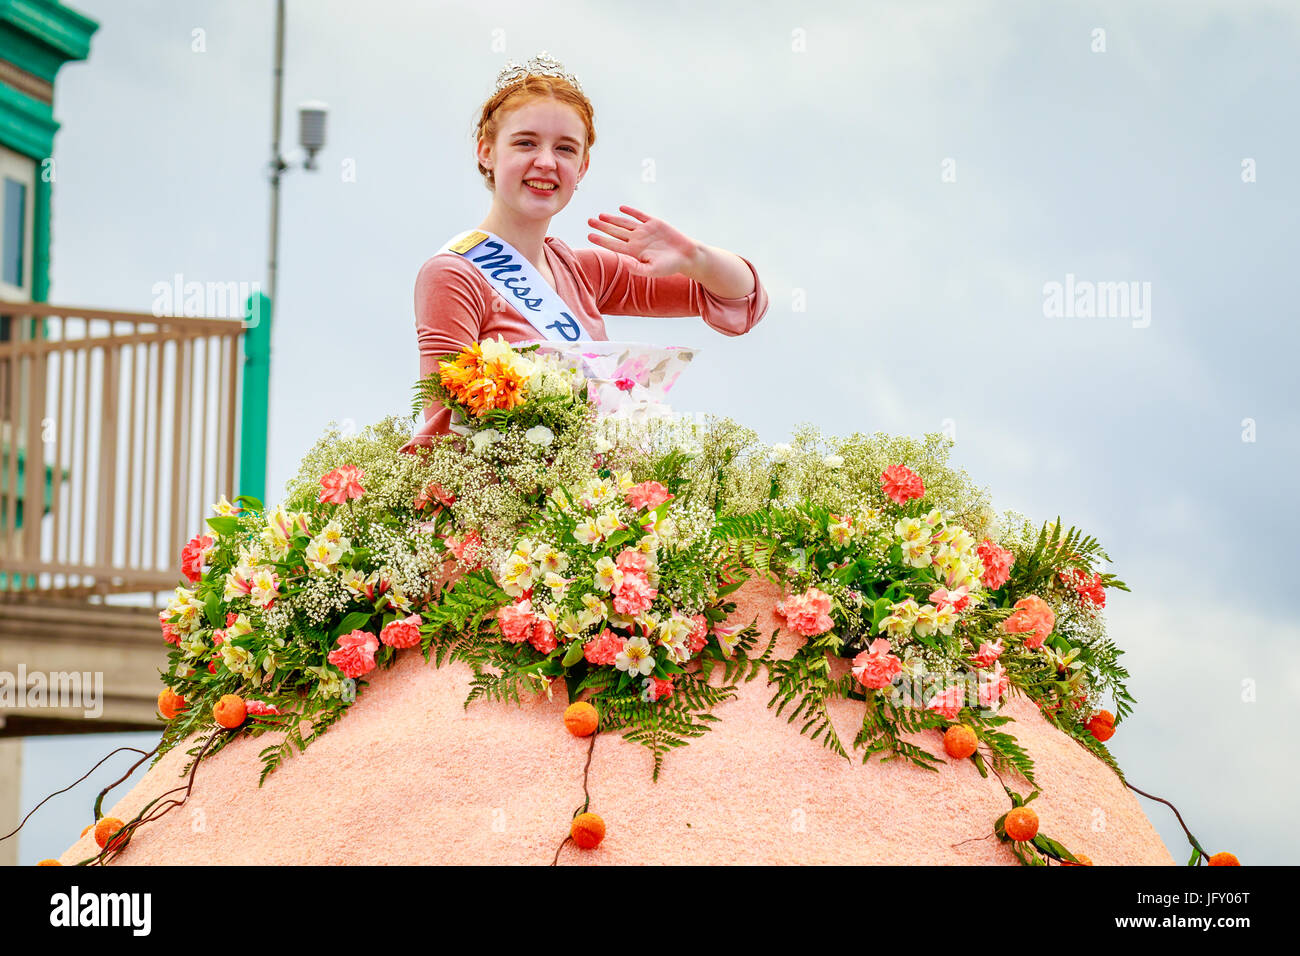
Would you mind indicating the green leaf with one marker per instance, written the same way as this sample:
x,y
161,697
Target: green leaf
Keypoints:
x,y
573,654
249,502
225,525
350,623
213,609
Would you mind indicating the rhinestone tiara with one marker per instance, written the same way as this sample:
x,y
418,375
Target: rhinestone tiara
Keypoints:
x,y
543,64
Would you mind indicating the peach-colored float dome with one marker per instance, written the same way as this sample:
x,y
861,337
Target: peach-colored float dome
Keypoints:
x,y
411,776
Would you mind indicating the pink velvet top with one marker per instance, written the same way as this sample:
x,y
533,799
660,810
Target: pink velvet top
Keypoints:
x,y
455,305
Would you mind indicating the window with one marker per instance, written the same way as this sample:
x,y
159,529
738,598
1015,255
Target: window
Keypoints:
x,y
11,253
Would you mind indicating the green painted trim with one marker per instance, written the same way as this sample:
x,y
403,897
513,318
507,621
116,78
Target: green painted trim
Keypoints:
x,y
27,125
39,36
254,411
41,238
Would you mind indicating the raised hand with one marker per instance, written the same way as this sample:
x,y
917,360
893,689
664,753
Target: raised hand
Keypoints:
x,y
656,247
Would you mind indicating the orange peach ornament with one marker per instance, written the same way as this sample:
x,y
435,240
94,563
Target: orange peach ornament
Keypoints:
x,y
105,830
88,828
49,863
580,719
1102,726
1021,824
1083,860
1224,858
587,830
960,742
230,711
170,703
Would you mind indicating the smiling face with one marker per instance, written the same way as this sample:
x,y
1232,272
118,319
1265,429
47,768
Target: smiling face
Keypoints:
x,y
541,142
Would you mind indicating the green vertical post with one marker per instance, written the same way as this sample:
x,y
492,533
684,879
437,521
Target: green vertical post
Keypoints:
x,y
254,417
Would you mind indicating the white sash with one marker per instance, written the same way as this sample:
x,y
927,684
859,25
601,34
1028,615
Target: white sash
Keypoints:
x,y
519,283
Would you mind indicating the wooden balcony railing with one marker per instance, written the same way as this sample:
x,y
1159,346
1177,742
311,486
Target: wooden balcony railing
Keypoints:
x,y
117,432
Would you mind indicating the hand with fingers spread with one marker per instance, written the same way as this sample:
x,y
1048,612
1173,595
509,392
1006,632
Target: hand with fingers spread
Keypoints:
x,y
656,247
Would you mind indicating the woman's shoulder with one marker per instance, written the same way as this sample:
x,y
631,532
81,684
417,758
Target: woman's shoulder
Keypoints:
x,y
445,266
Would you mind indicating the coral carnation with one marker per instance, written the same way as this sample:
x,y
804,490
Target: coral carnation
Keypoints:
x,y
1033,618
604,648
403,632
901,484
808,614
193,556
997,564
355,654
341,485
876,667
634,594
647,495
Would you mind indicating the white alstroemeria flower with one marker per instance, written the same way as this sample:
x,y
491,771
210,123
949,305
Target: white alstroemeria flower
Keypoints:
x,y
322,555
540,435
635,657
586,532
608,574
593,610
224,508
608,522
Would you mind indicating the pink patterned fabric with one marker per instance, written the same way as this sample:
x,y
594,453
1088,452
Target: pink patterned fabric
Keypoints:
x,y
455,305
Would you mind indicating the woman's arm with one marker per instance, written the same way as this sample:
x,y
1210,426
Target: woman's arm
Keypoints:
x,y
723,273
646,267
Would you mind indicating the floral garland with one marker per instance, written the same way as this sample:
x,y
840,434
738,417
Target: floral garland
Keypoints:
x,y
611,569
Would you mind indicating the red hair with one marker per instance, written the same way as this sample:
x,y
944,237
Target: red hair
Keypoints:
x,y
522,92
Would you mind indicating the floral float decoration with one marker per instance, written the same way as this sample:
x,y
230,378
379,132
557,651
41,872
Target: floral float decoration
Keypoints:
x,y
542,544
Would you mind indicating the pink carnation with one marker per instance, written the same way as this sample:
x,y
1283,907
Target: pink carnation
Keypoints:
x,y
997,563
988,653
603,648
218,637
169,632
193,556
355,654
647,495
993,684
901,484
959,597
631,559
948,702
516,621
231,618
403,632
699,635
876,667
634,594
466,548
542,636
341,485
434,492
658,689
808,614
1033,618
260,708
1088,587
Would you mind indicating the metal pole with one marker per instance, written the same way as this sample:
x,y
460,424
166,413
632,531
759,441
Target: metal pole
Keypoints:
x,y
277,164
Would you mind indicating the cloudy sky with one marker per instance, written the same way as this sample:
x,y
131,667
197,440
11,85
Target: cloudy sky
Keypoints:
x,y
908,178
